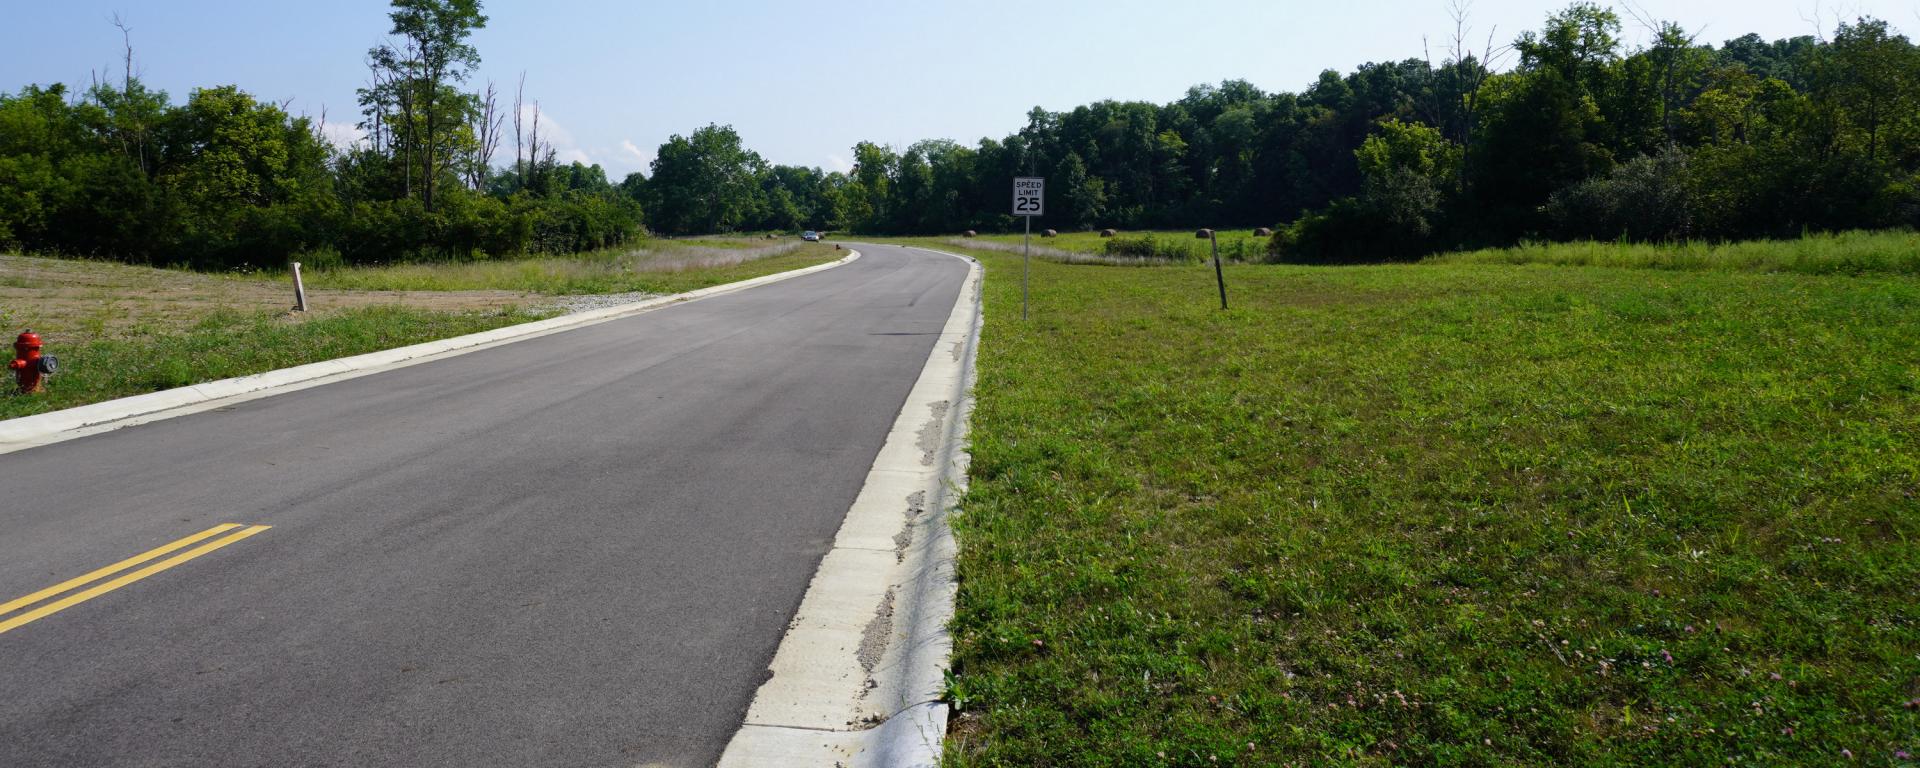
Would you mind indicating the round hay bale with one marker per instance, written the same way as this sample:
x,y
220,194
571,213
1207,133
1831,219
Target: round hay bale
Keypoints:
x,y
1263,232
1050,233
971,233
1108,233
1205,234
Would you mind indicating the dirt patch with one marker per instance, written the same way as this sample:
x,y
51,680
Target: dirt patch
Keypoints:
x,y
916,505
929,437
873,641
76,301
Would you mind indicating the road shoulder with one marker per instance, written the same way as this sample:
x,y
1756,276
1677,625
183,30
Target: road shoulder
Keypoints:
x,y
858,678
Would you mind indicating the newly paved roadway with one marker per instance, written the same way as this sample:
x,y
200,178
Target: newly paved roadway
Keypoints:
x,y
579,550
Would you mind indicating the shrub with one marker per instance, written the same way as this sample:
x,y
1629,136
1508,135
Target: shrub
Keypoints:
x,y
1354,231
1649,198
1149,247
320,259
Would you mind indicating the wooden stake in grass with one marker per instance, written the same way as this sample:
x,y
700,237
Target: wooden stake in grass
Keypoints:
x,y
299,290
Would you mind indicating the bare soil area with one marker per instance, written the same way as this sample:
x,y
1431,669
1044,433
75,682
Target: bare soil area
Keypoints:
x,y
79,301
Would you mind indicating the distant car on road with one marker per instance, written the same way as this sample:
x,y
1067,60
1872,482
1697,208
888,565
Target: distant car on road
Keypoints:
x,y
810,236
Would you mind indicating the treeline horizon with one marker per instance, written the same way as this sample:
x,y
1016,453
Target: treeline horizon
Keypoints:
x,y
1583,138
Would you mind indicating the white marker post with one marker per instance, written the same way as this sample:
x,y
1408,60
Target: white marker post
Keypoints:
x,y
1029,200
299,290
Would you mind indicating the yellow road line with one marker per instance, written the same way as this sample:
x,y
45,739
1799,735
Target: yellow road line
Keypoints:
x,y
9,606
89,594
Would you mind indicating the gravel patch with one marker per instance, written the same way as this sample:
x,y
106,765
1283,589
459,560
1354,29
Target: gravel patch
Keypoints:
x,y
568,305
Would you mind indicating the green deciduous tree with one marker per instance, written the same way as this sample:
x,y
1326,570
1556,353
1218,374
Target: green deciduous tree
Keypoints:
x,y
706,182
415,86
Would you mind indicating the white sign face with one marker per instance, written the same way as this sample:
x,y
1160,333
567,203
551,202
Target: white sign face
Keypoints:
x,y
1029,196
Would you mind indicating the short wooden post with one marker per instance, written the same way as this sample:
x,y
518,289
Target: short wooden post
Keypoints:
x,y
299,290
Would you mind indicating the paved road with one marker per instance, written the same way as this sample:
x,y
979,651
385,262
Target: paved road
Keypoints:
x,y
576,550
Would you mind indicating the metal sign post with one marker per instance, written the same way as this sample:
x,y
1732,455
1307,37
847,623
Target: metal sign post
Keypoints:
x,y
1214,239
1029,200
1218,276
1026,265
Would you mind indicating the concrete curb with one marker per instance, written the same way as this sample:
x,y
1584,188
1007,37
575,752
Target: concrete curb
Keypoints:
x,y
46,428
858,679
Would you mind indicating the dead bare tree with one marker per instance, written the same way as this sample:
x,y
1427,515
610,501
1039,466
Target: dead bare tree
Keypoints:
x,y
133,138
406,98
486,134
1470,72
519,104
373,100
1819,21
533,145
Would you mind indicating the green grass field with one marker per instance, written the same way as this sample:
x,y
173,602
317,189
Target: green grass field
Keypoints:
x,y
1441,514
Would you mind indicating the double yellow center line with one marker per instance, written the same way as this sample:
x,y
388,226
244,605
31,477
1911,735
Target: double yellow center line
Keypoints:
x,y
97,590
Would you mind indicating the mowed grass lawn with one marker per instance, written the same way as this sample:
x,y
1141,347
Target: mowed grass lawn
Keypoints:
x,y
1461,515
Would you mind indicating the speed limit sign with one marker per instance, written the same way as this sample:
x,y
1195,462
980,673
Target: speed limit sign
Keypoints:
x,y
1029,196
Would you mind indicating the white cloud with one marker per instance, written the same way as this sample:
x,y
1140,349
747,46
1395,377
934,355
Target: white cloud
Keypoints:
x,y
553,134
342,135
638,155
838,163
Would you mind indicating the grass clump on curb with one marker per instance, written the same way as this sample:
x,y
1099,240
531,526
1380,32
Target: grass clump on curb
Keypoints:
x,y
227,344
1440,515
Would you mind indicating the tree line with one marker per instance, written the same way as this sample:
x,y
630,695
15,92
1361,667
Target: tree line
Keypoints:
x,y
1567,132
1580,138
225,180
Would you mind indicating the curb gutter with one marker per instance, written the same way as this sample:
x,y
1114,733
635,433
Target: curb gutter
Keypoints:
x,y
46,428
858,679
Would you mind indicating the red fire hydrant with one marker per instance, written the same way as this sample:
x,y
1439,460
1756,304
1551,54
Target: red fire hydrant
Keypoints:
x,y
28,365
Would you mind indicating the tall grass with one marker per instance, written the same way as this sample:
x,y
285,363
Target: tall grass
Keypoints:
x,y
1844,253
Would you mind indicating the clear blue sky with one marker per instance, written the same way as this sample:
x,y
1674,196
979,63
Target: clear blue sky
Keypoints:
x,y
803,81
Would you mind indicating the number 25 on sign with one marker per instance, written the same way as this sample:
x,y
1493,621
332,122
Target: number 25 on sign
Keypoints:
x,y
1029,196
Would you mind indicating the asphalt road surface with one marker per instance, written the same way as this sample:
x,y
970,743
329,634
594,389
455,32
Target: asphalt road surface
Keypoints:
x,y
578,550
